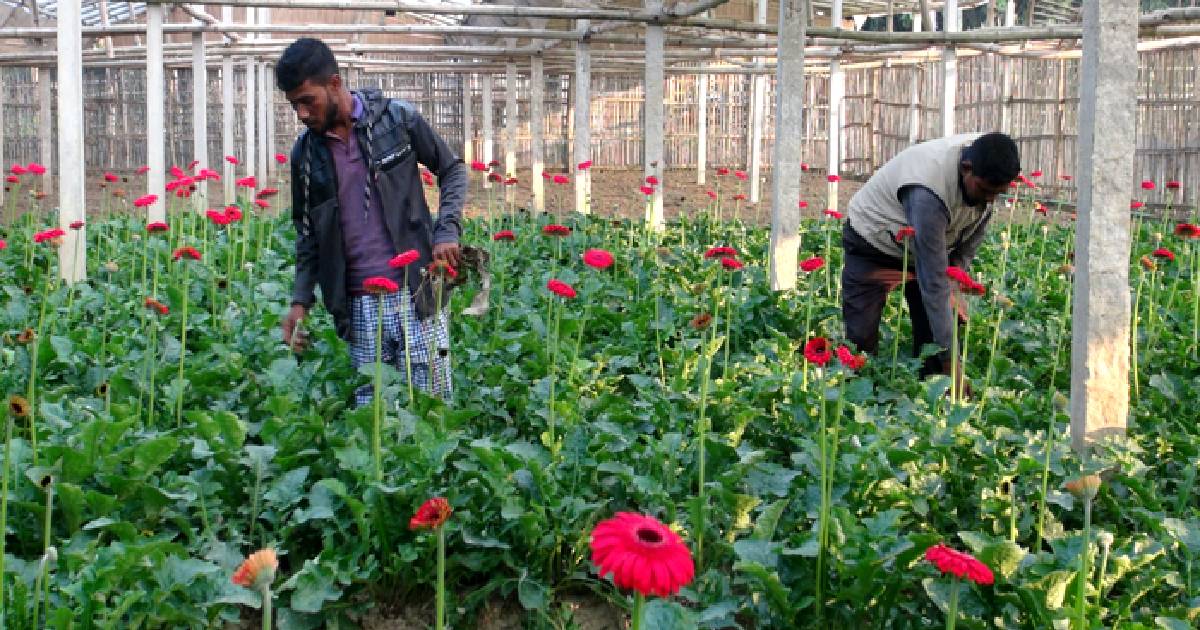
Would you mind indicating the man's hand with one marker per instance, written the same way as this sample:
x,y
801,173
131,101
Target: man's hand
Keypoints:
x,y
296,339
448,252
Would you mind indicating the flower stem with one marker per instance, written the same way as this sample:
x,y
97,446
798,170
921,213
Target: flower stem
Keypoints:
x,y
1084,566
952,614
639,602
903,304
8,431
376,437
440,604
405,309
266,607
182,346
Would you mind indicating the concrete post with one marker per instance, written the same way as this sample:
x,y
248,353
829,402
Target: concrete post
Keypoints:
x,y
758,94
250,141
488,137
582,150
652,118
701,127
228,172
200,116
156,157
789,130
1010,19
914,107
269,91
46,124
264,151
72,256
837,101
468,151
537,84
3,162
511,118
949,70
1101,309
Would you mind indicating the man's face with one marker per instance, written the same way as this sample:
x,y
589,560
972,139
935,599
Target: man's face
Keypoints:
x,y
315,104
978,191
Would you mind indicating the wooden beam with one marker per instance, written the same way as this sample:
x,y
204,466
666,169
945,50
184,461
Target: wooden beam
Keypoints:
x,y
1101,307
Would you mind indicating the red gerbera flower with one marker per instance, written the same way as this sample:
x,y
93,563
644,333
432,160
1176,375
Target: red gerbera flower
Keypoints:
x,y
157,226
186,252
142,170
561,179
817,351
1134,205
511,181
380,284
231,160
267,192
1035,174
3,245
442,269
36,169
834,213
504,235
833,179
642,554
711,195
585,165
598,258
110,178
157,306
234,213
958,275
960,564
555,229
76,225
1066,178
17,169
281,158
652,180
218,217
804,166
739,197
731,264
647,190
493,163
478,166
1187,230
720,252
560,288
904,233
722,171
247,182
545,175
1173,185
851,360
12,179
145,201
1147,184
740,175
812,264
1163,252
48,235
262,203
1040,208
495,178
803,204
176,172
404,259
431,515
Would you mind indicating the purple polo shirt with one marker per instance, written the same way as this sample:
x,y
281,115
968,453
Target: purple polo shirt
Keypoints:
x,y
365,240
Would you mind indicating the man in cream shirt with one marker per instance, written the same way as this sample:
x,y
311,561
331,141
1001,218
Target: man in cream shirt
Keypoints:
x,y
942,189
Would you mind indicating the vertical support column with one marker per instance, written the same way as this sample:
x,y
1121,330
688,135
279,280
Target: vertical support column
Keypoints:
x,y
250,160
268,88
949,70
537,85
914,107
758,94
260,108
1107,120
468,151
837,102
488,134
46,124
3,162
72,256
228,172
1010,19
583,120
200,116
156,157
510,119
652,118
785,173
701,127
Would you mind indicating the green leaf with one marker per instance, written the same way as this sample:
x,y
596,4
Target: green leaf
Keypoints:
x,y
1186,532
1004,557
287,489
533,594
149,455
778,595
663,614
71,498
768,520
176,572
313,586
1172,623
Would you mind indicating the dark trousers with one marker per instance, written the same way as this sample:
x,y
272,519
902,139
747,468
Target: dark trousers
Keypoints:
x,y
868,276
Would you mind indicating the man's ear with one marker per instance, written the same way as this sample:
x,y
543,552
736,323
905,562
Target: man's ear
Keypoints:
x,y
335,81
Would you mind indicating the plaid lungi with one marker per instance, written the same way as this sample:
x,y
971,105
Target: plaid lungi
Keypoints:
x,y
429,342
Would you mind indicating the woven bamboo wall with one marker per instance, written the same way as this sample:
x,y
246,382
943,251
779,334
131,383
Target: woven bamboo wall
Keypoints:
x,y
886,109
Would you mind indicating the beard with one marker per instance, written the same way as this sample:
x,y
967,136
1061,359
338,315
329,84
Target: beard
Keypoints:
x,y
332,111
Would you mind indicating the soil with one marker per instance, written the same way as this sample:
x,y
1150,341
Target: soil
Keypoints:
x,y
587,612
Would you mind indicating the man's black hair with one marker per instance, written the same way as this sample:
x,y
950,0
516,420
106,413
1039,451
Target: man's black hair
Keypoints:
x,y
994,157
305,59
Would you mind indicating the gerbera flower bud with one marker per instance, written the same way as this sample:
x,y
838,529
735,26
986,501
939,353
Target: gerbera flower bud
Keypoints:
x,y
701,321
258,571
18,407
1084,487
431,515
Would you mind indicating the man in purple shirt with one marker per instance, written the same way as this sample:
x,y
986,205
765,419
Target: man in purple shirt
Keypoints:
x,y
358,201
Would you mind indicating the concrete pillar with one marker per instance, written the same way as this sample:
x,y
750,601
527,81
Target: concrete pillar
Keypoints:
x,y
250,159
488,133
228,171
468,151
789,130
1010,19
949,70
837,108
156,157
1107,122
537,160
265,156
200,117
72,256
914,107
3,161
758,94
701,128
511,118
582,151
652,118
46,124
269,93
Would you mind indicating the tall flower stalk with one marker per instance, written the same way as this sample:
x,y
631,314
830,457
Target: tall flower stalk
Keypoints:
x,y
566,292
183,254
257,573
433,515
960,566
818,353
903,236
1084,488
402,261
379,287
54,238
